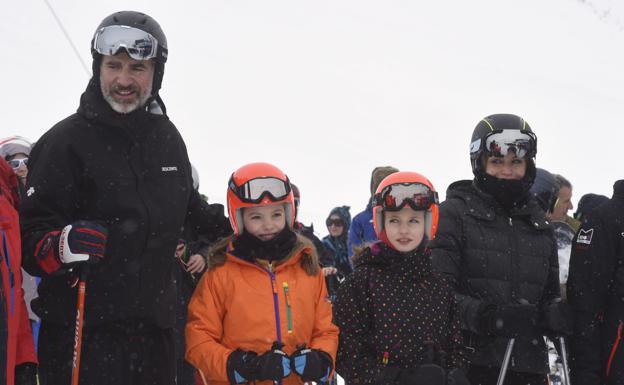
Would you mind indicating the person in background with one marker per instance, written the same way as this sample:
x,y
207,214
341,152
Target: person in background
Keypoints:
x,y
496,245
564,204
260,312
362,232
325,255
188,269
399,321
564,227
338,223
596,295
18,361
16,150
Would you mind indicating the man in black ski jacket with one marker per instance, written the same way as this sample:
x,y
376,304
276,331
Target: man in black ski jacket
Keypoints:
x,y
596,295
110,188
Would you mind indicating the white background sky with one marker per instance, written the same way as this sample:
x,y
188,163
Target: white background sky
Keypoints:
x,y
329,89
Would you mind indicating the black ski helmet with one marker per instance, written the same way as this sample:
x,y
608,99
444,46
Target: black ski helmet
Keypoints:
x,y
545,189
493,124
144,23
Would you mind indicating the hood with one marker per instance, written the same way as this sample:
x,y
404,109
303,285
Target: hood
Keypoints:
x,y
344,214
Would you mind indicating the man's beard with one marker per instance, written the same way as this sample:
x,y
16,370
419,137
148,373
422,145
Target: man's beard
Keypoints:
x,y
126,106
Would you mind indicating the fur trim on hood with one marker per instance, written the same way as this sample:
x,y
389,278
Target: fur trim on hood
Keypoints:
x,y
216,254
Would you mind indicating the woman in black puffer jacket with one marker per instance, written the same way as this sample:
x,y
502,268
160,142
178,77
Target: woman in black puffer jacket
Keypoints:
x,y
495,243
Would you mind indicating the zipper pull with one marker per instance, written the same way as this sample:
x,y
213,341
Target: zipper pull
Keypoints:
x,y
510,221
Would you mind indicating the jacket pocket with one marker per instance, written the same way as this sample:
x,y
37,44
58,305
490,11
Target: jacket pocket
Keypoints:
x,y
288,302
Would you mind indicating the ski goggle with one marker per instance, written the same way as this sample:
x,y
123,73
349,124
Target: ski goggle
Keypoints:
x,y
16,163
417,195
139,44
255,190
521,144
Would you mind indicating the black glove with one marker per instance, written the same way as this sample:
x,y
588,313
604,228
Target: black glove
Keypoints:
x,y
273,365
556,319
311,364
456,377
513,320
241,366
81,241
26,374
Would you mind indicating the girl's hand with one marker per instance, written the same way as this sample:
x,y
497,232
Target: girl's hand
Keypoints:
x,y
179,251
196,264
329,271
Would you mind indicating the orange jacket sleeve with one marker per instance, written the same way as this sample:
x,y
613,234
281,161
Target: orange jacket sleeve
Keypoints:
x,y
204,330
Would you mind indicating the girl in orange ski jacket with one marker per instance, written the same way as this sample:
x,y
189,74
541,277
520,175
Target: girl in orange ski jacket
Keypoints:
x,y
260,313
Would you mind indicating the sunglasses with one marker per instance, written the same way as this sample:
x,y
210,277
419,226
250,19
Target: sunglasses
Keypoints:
x,y
17,163
334,222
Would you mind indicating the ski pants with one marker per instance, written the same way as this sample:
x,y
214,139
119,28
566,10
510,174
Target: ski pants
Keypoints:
x,y
123,353
485,375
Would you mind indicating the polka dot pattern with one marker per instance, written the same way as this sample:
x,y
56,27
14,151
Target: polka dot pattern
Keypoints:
x,y
389,310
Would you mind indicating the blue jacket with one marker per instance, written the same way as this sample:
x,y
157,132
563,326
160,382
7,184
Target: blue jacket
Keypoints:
x,y
362,229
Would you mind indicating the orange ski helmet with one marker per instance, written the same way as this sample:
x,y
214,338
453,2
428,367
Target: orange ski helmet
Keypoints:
x,y
406,188
257,184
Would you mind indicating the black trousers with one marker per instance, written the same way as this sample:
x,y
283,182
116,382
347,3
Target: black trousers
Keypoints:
x,y
124,353
485,375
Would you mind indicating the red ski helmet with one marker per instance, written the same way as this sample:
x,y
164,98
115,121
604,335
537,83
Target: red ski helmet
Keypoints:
x,y
406,188
258,184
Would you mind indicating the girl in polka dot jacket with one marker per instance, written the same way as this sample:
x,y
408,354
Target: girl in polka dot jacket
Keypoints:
x,y
398,320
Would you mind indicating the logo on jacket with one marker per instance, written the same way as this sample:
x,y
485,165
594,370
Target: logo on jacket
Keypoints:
x,y
585,236
169,168
30,191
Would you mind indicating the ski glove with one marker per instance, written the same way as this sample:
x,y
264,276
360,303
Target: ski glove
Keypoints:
x,y
312,364
26,374
82,240
274,364
556,319
245,366
241,366
511,321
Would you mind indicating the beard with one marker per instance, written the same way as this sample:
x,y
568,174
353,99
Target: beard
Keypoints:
x,y
125,106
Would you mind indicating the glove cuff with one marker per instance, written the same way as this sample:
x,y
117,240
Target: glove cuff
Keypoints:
x,y
46,252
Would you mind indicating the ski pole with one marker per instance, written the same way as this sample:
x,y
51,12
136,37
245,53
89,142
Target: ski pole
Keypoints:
x,y
564,359
82,285
503,371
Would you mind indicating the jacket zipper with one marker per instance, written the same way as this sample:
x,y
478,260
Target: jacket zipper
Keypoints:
x,y
288,308
618,338
278,325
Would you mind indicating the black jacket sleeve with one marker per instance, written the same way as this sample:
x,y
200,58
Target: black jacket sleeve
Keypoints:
x,y
592,263
356,360
446,256
51,197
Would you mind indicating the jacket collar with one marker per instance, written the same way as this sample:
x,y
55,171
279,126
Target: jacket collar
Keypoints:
x,y
483,206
